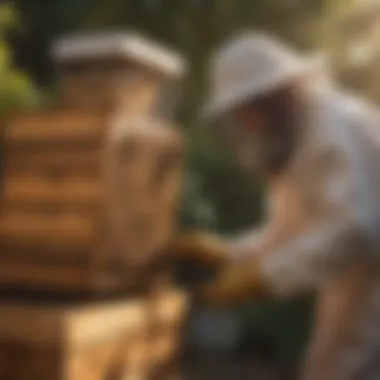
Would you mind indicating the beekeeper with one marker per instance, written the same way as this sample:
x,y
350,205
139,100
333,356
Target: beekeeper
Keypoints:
x,y
317,149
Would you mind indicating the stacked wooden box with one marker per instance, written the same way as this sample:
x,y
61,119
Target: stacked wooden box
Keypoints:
x,y
91,341
88,202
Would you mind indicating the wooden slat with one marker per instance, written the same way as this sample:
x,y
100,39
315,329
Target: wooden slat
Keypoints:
x,y
62,279
54,126
38,277
64,229
49,254
36,188
48,158
50,207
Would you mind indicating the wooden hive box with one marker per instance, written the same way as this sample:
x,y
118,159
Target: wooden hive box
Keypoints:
x,y
115,340
85,204
89,190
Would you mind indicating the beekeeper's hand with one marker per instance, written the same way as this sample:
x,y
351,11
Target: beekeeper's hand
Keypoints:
x,y
236,283
200,248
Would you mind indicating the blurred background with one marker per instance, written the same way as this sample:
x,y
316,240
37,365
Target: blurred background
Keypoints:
x,y
217,195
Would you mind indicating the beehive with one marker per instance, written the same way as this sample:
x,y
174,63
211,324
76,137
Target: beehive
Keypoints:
x,y
89,189
126,339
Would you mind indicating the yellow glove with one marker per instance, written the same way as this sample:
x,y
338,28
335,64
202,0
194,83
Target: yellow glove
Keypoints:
x,y
206,249
236,283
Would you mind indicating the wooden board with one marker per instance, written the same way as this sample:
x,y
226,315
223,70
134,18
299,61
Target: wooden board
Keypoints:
x,y
57,187
37,229
37,277
17,252
51,126
49,157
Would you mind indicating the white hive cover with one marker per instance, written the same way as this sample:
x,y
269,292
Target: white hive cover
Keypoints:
x,y
126,45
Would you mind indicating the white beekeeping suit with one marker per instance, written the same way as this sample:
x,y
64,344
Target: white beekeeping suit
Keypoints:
x,y
323,235
323,222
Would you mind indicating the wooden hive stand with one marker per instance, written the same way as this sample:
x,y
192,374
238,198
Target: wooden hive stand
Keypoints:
x,y
108,340
88,201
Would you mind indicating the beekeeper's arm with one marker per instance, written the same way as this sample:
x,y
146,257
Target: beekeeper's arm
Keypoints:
x,y
282,262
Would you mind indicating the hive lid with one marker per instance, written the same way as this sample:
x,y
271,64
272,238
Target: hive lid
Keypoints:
x,y
127,46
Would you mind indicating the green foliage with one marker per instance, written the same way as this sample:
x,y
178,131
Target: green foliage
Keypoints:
x,y
219,196
16,88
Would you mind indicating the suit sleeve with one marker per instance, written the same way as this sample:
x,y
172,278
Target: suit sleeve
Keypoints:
x,y
338,239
